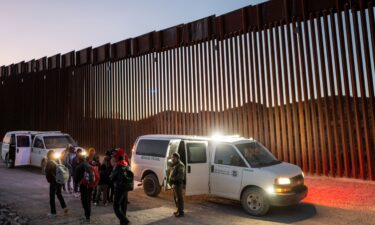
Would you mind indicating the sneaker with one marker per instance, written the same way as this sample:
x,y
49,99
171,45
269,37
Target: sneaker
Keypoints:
x,y
51,216
178,214
66,210
105,205
86,221
77,195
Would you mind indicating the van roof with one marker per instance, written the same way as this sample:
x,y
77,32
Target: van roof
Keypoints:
x,y
226,139
33,132
52,134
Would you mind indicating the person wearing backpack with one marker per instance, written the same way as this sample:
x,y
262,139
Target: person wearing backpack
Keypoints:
x,y
123,180
54,186
85,177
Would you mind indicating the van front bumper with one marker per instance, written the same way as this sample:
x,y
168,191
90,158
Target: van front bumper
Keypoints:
x,y
291,198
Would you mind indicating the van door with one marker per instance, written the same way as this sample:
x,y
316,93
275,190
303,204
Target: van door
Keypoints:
x,y
36,151
197,168
23,149
172,148
226,172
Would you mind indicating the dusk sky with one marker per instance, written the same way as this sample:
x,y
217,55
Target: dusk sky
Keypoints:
x,y
38,28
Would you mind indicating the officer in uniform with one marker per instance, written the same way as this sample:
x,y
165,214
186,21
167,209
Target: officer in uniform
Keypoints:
x,y
176,180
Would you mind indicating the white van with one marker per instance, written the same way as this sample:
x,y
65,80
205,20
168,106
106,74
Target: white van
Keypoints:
x,y
230,167
20,148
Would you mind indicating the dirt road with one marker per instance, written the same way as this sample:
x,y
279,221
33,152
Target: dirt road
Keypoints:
x,y
329,201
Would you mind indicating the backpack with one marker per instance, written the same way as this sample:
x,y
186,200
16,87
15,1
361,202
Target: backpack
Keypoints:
x,y
62,173
127,180
95,179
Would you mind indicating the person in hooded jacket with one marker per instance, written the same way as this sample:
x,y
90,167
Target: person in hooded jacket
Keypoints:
x,y
121,194
83,169
54,187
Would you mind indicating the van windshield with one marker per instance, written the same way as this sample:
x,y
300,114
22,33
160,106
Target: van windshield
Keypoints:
x,y
257,155
58,141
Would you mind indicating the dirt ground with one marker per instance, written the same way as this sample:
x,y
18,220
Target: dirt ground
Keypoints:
x,y
330,201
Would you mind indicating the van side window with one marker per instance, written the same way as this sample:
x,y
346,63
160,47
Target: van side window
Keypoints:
x,y
227,155
196,153
157,148
38,143
23,141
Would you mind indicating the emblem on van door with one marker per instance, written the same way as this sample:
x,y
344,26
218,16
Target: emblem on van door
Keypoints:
x,y
234,173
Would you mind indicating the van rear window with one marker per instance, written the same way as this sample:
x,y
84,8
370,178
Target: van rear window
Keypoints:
x,y
157,148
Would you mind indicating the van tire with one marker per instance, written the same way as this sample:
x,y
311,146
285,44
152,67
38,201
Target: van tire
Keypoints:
x,y
151,185
255,202
8,163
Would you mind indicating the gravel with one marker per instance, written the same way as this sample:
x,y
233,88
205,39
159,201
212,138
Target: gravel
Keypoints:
x,y
11,217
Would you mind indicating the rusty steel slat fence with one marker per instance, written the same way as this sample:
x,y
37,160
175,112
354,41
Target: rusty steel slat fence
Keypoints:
x,y
298,76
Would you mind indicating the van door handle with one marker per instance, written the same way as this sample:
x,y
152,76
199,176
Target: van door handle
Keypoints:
x,y
212,168
189,169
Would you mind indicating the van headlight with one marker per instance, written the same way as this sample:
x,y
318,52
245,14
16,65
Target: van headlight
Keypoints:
x,y
282,181
56,155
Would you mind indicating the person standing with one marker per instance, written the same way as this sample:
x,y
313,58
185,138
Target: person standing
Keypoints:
x,y
103,182
111,187
120,203
176,180
84,172
68,163
54,187
75,163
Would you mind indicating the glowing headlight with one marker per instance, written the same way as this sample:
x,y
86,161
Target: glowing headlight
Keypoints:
x,y
282,181
56,155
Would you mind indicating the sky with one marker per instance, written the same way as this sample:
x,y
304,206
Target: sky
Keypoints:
x,y
32,29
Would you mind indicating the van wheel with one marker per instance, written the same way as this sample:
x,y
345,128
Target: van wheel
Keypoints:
x,y
255,202
8,162
43,165
151,185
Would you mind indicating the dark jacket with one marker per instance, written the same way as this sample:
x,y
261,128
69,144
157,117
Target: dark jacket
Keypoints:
x,y
117,177
177,174
80,170
74,165
104,175
51,171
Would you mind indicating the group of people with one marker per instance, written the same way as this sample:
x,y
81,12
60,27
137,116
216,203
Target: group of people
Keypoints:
x,y
92,180
109,180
